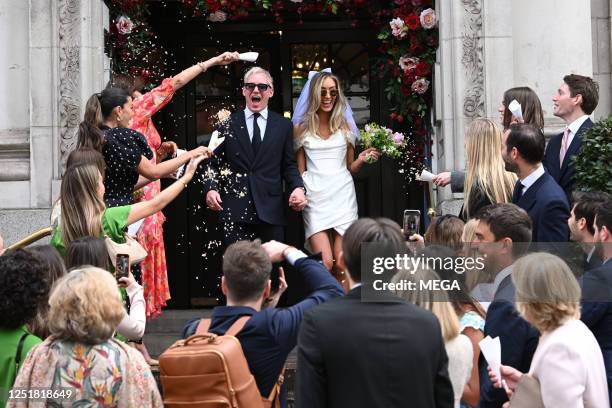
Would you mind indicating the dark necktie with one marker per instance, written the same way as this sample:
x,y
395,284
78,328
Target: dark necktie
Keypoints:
x,y
256,140
518,192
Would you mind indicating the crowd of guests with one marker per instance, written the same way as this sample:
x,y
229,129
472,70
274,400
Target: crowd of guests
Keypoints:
x,y
66,322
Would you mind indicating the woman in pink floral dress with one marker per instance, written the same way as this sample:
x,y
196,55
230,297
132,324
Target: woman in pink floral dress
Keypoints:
x,y
150,235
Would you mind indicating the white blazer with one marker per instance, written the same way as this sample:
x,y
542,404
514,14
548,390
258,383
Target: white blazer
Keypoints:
x,y
569,366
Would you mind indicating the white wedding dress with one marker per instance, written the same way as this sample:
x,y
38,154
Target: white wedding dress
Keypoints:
x,y
329,185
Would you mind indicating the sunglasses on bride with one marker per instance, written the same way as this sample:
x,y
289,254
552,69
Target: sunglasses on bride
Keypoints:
x,y
332,92
251,87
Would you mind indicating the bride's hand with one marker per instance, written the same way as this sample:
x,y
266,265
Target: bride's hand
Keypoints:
x,y
370,155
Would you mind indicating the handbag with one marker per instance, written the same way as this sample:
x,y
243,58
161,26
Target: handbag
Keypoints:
x,y
527,393
131,247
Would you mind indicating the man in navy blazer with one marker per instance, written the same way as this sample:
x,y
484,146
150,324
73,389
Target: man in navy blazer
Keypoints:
x,y
580,223
536,191
270,334
502,235
596,310
249,167
576,98
376,352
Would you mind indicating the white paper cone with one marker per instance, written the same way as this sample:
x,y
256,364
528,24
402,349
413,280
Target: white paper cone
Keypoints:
x,y
426,176
215,140
249,56
181,170
491,350
515,108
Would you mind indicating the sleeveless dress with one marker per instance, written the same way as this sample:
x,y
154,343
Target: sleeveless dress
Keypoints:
x,y
329,185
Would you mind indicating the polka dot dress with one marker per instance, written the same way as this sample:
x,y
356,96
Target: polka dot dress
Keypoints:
x,y
122,152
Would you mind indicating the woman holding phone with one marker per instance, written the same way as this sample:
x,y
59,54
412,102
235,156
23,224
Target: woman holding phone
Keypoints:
x,y
324,139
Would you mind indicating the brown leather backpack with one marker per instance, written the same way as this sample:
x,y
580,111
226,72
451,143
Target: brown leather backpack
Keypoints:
x,y
210,371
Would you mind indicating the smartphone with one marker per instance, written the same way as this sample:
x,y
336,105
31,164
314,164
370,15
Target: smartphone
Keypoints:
x,y
122,266
411,222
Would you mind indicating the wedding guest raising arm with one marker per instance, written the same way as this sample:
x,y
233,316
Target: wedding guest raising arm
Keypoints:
x,y
126,152
325,134
150,235
84,213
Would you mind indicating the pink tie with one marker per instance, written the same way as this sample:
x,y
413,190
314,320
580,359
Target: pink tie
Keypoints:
x,y
563,149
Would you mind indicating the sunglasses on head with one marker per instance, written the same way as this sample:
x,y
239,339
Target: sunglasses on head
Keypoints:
x,y
332,92
251,87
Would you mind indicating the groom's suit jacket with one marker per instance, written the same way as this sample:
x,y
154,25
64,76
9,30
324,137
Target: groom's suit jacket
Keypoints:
x,y
252,190
564,174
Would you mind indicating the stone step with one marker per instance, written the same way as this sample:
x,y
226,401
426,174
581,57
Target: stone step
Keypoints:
x,y
164,330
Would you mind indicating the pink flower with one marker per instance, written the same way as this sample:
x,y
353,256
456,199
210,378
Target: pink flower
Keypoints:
x,y
428,18
407,63
398,138
124,25
397,27
420,86
217,16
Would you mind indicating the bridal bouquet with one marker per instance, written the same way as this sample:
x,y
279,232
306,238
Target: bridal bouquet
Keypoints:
x,y
382,139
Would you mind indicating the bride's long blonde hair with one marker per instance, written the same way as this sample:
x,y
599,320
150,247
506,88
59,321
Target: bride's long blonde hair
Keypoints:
x,y
485,166
310,120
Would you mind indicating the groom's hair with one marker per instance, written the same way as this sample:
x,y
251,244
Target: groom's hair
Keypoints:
x,y
246,268
258,70
382,231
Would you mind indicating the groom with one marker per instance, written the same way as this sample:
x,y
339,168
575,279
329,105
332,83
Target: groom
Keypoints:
x,y
258,152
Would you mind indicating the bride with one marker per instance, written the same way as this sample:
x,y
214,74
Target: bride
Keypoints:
x,y
324,140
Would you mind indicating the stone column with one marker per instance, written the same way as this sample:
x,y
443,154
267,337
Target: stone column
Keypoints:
x,y
52,57
475,55
601,10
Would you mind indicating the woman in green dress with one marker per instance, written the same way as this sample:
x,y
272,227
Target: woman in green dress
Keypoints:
x,y
83,212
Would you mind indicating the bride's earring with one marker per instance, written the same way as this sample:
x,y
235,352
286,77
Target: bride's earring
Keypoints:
x,y
118,118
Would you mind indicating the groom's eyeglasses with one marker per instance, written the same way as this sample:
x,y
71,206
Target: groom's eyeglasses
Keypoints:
x,y
332,93
251,87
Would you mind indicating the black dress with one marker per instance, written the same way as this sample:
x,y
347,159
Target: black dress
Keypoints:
x,y
478,199
123,149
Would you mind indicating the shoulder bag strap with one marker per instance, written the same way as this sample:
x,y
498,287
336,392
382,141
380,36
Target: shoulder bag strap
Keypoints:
x,y
203,326
19,351
274,396
237,326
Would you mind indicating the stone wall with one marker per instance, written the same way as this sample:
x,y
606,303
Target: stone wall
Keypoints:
x,y
52,60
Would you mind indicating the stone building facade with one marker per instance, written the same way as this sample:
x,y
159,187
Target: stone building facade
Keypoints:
x,y
52,58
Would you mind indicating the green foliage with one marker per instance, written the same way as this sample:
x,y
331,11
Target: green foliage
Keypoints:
x,y
594,162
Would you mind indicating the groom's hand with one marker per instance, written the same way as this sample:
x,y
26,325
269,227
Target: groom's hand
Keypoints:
x,y
213,200
297,199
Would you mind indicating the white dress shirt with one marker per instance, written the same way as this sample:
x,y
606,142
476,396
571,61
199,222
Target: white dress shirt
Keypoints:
x,y
532,178
573,128
262,120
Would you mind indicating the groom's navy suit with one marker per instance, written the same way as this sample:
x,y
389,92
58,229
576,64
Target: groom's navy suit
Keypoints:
x,y
564,174
252,192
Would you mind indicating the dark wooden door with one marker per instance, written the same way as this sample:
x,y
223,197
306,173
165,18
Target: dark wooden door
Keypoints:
x,y
192,232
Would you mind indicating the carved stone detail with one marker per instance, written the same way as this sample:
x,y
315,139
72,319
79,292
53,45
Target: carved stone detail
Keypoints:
x,y
69,55
473,60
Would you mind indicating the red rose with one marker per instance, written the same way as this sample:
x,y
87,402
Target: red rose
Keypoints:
x,y
423,69
412,21
409,78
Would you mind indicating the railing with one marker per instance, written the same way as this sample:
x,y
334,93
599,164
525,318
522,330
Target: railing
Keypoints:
x,y
40,234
